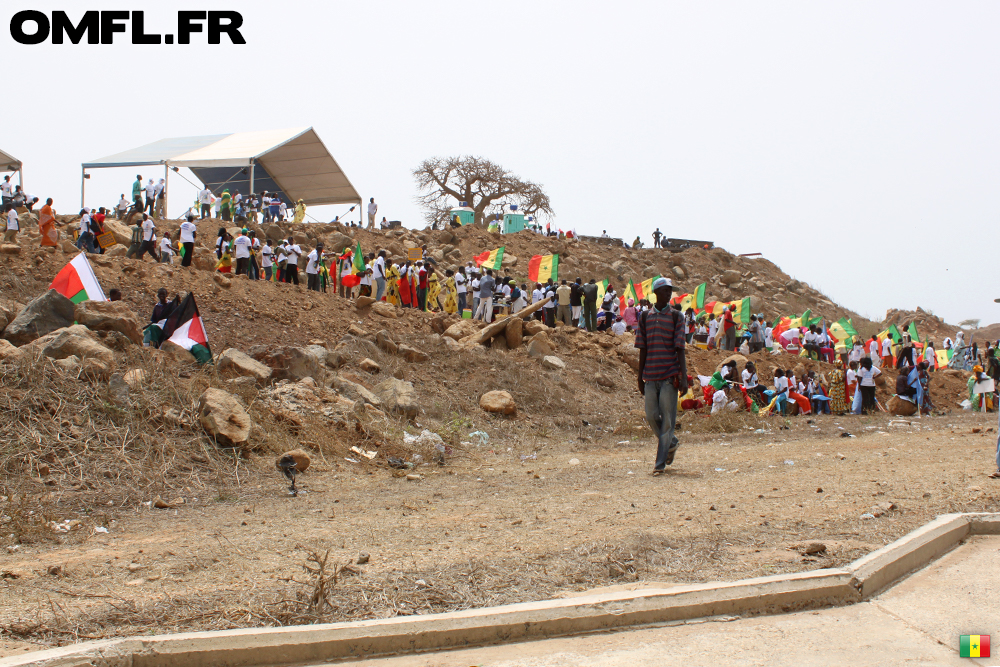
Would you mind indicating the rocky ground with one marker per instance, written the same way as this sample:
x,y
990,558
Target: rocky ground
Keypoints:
x,y
138,491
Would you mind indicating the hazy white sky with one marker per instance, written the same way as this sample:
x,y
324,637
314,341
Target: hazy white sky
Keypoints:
x,y
853,143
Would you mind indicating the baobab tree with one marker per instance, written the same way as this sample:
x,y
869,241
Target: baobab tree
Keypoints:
x,y
445,182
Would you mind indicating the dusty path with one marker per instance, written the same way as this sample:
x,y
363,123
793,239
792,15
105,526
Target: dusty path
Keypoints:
x,y
494,529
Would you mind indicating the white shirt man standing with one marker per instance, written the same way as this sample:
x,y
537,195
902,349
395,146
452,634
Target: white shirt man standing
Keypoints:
x,y
205,199
312,267
266,263
293,251
372,210
150,197
242,245
378,273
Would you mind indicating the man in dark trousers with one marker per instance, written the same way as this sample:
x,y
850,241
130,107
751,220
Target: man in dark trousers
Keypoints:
x,y
656,238
662,370
590,305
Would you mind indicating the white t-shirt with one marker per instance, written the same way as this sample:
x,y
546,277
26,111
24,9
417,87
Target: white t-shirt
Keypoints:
x,y
929,356
749,379
312,265
618,328
165,245
282,252
460,283
147,229
205,196
769,337
372,208
475,288
150,189
242,246
537,295
873,349
887,346
378,267
265,256
188,230
12,222
810,338
294,252
122,204
713,328
867,377
6,189
780,383
852,377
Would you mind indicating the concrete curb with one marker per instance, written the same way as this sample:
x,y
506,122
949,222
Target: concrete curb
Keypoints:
x,y
530,620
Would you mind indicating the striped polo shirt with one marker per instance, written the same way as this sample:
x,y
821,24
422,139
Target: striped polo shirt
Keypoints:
x,y
661,334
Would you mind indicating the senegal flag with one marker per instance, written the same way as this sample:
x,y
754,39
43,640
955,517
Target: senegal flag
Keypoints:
x,y
185,328
359,261
490,259
647,290
843,332
542,267
915,337
602,287
699,297
974,646
77,282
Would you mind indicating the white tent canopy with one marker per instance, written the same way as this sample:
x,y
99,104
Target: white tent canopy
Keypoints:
x,y
296,160
9,163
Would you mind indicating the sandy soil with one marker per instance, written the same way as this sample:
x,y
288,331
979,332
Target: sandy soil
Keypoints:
x,y
492,528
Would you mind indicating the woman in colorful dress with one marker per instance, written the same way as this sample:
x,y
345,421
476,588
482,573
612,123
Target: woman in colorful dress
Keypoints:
x,y
838,388
47,224
392,284
450,293
300,211
433,290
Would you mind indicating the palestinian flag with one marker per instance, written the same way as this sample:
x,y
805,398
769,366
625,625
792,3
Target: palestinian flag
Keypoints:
x,y
185,328
543,267
77,282
491,259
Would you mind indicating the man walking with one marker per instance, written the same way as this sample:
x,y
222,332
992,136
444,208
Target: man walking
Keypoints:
x,y
662,370
189,232
148,244
372,210
590,305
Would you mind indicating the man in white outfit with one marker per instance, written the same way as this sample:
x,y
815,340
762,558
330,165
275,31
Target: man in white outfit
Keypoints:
x,y
372,210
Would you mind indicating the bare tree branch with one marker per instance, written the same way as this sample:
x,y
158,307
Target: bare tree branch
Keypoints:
x,y
444,182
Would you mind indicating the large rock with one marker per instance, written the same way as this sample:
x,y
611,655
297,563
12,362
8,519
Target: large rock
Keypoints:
x,y
901,407
385,309
461,329
398,396
532,327
412,354
242,364
75,341
553,363
498,401
539,347
301,458
679,272
385,342
356,392
8,351
223,418
122,233
294,363
741,363
513,333
508,261
337,242
363,302
43,315
730,277
109,316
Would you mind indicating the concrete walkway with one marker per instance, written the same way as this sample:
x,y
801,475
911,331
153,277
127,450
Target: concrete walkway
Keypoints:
x,y
916,622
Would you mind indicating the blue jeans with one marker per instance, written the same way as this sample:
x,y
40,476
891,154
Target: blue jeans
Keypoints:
x,y
661,414
461,303
86,242
380,288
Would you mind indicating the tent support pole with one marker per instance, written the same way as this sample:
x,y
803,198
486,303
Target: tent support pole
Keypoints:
x,y
251,181
166,189
20,177
83,185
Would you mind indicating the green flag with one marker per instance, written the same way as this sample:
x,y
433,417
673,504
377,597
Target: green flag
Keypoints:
x,y
359,260
914,336
894,332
